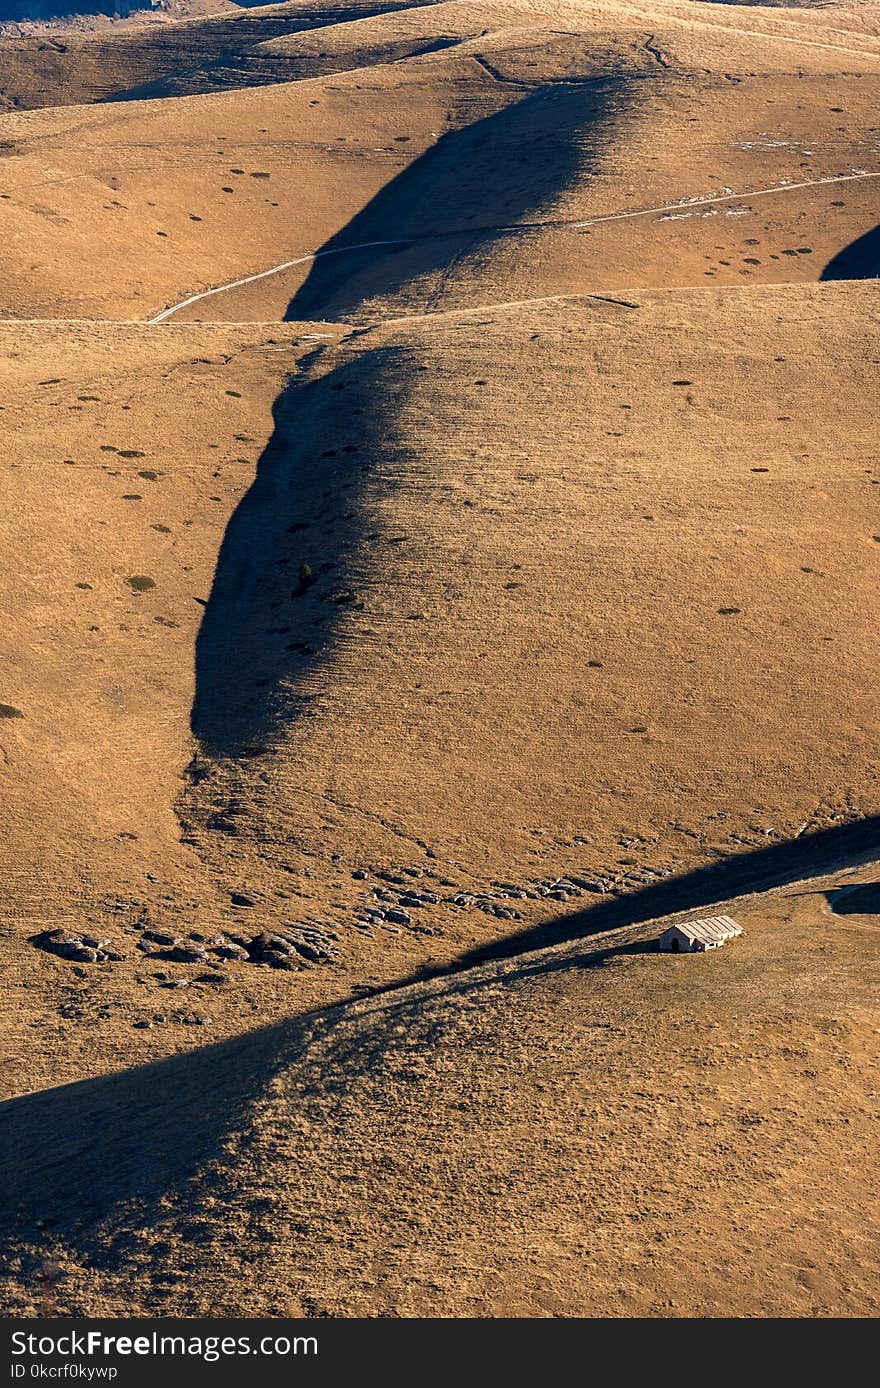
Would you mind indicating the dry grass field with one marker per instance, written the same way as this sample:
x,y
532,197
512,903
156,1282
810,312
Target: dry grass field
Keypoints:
x,y
441,517
590,1130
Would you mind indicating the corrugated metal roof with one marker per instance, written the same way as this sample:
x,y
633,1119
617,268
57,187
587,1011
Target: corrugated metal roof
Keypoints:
x,y
709,929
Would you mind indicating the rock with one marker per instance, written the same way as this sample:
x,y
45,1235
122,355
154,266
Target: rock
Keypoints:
x,y
241,899
229,951
269,948
278,959
412,902
67,946
359,875
398,916
309,951
266,940
142,1026
160,937
237,939
184,954
112,954
56,941
81,953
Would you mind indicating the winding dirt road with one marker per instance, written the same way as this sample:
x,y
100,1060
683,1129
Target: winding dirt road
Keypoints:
x,y
514,229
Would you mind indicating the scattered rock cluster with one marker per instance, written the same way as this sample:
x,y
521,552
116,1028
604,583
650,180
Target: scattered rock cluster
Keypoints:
x,y
298,946
81,949
185,1019
294,947
394,897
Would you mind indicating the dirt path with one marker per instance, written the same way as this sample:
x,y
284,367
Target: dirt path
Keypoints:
x,y
686,205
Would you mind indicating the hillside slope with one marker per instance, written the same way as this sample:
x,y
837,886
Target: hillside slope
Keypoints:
x,y
592,1131
527,161
43,70
609,628
439,501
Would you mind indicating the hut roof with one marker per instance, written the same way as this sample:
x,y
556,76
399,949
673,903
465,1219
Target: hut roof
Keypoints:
x,y
709,930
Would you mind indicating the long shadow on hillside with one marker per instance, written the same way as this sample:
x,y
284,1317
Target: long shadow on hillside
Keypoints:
x,y
296,549
319,15
136,1170
861,899
231,56
773,866
860,260
105,1167
463,193
92,1164
286,570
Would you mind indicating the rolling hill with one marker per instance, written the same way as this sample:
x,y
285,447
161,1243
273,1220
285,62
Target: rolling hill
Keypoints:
x,y
661,1147
516,164
441,517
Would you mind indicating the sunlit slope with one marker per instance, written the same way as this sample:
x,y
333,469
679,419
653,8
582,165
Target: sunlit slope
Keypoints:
x,y
577,590
189,54
590,588
598,184
495,575
124,453
477,162
264,44
588,1131
340,42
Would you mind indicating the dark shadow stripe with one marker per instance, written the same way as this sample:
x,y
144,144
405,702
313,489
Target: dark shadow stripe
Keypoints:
x,y
860,260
